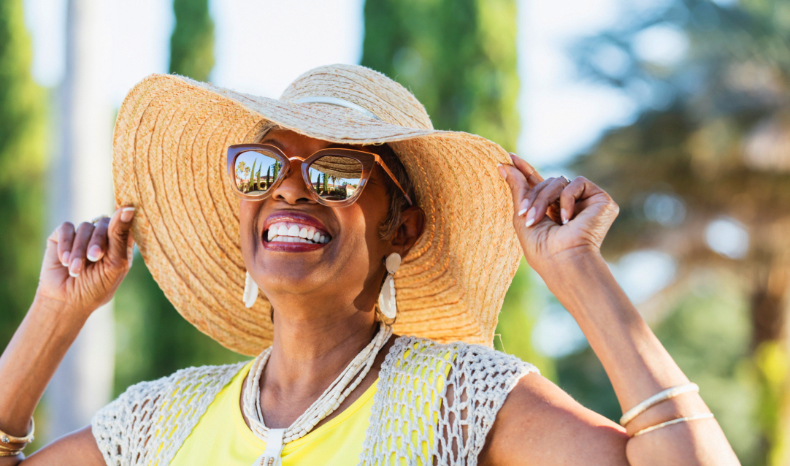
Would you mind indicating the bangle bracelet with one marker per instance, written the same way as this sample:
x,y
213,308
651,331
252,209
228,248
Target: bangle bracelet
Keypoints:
x,y
656,399
10,453
9,439
673,421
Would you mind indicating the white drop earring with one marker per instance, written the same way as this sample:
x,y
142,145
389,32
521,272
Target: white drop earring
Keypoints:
x,y
250,291
387,303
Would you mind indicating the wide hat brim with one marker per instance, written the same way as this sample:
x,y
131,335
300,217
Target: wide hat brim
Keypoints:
x,y
169,149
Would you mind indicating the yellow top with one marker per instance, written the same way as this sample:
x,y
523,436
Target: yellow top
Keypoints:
x,y
221,437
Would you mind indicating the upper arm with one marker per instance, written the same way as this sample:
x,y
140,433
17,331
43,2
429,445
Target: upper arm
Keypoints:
x,y
539,424
77,448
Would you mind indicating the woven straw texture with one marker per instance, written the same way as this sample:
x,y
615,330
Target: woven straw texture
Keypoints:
x,y
169,149
149,422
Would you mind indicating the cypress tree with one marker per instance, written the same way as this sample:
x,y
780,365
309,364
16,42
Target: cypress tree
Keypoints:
x,y
458,57
22,201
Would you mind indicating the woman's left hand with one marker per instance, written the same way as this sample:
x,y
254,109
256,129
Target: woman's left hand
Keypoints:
x,y
551,233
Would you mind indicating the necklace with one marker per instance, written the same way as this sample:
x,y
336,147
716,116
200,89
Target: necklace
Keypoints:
x,y
325,405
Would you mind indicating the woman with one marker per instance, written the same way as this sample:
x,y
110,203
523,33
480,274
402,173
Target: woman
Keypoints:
x,y
322,195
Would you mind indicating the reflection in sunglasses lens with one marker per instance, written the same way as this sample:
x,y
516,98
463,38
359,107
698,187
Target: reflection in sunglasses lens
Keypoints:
x,y
256,171
335,178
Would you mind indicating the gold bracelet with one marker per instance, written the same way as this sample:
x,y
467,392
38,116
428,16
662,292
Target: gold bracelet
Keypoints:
x,y
673,421
11,453
9,439
656,399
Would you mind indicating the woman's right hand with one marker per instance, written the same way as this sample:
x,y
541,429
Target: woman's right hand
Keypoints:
x,y
84,266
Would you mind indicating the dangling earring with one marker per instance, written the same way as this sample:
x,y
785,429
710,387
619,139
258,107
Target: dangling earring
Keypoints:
x,y
387,297
250,291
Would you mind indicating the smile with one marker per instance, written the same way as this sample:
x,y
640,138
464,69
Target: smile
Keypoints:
x,y
293,232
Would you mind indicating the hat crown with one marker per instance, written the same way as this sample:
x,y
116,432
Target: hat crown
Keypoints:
x,y
369,89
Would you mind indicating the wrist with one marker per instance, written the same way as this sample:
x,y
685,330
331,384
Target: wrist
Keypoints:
x,y
54,308
572,266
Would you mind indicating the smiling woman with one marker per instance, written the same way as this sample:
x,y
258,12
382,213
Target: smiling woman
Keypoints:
x,y
382,250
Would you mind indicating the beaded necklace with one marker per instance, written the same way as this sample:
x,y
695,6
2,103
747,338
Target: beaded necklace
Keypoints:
x,y
325,405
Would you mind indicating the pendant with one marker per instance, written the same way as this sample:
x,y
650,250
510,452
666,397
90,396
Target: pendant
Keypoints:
x,y
274,449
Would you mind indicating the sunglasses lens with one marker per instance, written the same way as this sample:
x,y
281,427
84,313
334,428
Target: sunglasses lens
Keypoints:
x,y
334,177
256,171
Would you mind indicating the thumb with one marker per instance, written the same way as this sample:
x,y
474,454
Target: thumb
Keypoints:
x,y
118,234
517,182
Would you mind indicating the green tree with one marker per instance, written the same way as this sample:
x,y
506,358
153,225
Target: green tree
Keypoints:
x,y
192,42
22,170
154,340
458,57
712,143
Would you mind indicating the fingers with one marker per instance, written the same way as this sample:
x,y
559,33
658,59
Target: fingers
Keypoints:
x,y
573,192
529,172
516,180
79,248
119,235
65,238
541,197
98,243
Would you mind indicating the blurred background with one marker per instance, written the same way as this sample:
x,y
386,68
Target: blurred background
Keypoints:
x,y
679,108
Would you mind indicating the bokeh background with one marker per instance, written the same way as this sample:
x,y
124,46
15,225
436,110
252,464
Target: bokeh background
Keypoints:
x,y
679,108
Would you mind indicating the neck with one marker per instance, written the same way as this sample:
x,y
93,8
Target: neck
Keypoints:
x,y
311,349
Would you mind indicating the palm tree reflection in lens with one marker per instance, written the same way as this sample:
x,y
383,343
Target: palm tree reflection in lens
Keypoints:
x,y
256,171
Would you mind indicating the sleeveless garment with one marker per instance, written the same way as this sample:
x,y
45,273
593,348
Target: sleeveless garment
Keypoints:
x,y
414,417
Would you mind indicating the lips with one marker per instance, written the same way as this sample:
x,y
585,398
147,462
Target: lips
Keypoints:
x,y
294,232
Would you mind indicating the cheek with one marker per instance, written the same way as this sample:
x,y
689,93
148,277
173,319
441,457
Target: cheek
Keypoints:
x,y
248,213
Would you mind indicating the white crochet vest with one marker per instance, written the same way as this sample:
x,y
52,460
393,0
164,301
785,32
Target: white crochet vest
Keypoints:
x,y
149,422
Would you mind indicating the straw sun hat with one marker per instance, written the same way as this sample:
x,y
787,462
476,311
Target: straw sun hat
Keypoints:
x,y
169,150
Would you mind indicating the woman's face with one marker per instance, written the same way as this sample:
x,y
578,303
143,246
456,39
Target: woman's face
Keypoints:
x,y
347,269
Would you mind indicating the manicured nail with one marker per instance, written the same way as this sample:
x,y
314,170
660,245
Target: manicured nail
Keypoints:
x,y
66,259
94,253
127,213
524,205
76,267
564,216
502,171
531,217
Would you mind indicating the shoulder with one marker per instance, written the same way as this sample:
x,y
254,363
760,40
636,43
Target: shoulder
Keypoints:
x,y
541,424
123,428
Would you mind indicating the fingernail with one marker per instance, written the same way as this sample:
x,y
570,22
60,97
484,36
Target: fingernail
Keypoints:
x,y
66,259
524,205
127,213
564,216
502,171
76,268
94,253
531,217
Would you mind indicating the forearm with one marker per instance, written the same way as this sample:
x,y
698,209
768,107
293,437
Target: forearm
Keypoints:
x,y
30,360
637,365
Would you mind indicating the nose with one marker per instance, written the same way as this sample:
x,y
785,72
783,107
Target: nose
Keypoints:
x,y
292,189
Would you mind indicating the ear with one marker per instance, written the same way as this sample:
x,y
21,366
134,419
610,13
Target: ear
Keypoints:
x,y
412,222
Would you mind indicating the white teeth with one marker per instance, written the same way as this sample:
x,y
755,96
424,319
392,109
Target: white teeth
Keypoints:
x,y
281,232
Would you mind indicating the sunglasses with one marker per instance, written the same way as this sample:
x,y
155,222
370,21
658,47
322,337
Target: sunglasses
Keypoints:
x,y
334,177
